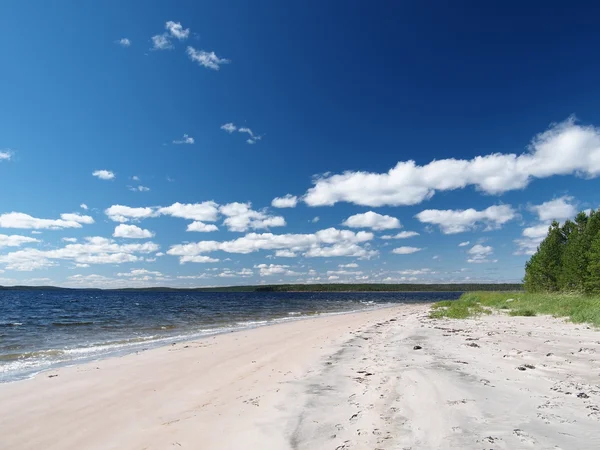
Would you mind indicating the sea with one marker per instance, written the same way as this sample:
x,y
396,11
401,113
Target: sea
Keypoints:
x,y
42,330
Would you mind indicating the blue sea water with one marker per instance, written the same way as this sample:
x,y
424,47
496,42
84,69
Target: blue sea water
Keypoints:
x,y
41,330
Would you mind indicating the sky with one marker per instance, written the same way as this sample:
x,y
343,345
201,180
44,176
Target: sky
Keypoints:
x,y
231,142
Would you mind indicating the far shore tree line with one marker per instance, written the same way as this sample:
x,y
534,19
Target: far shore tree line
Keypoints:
x,y
568,259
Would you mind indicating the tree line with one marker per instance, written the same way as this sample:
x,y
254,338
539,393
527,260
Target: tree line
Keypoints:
x,y
568,259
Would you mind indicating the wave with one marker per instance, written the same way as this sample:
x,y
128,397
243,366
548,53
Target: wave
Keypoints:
x,y
21,365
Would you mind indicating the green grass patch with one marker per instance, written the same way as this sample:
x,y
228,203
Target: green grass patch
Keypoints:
x,y
576,307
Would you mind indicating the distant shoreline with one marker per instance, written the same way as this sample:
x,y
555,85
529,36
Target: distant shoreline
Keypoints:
x,y
298,288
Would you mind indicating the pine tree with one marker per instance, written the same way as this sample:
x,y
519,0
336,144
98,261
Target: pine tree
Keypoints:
x,y
592,284
543,271
574,259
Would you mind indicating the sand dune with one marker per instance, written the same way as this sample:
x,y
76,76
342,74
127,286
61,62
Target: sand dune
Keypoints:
x,y
384,379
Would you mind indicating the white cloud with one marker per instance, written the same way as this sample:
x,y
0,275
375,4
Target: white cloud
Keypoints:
x,y
131,232
14,240
161,42
121,213
566,148
229,127
464,244
95,250
344,272
402,235
104,174
25,221
348,266
204,212
140,273
135,178
241,217
124,42
315,219
139,188
67,239
424,271
253,138
76,217
558,209
329,242
372,220
480,254
198,259
202,227
285,254
458,221
287,201
207,59
177,31
185,140
532,237
83,206
228,273
406,250
274,269
5,155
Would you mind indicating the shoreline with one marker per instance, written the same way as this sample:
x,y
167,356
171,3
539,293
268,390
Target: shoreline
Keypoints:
x,y
384,378
166,341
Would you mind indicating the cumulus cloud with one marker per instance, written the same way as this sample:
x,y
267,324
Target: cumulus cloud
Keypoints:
x,y
95,250
287,201
203,259
274,269
558,209
161,42
131,232
76,217
25,221
229,127
372,220
348,266
401,235
83,206
285,254
202,227
315,219
481,254
185,140
68,239
328,242
406,250
121,213
565,148
206,59
140,273
177,31
241,217
464,244
15,240
206,211
458,221
124,42
104,174
5,155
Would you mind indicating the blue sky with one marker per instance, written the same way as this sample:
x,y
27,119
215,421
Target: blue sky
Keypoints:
x,y
145,143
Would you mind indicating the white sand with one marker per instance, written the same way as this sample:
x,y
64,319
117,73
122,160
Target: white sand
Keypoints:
x,y
337,382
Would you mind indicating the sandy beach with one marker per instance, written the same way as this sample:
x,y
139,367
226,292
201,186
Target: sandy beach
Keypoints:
x,y
384,379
